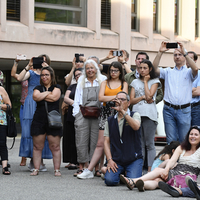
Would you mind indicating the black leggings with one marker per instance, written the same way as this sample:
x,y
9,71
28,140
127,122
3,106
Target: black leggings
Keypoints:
x,y
3,140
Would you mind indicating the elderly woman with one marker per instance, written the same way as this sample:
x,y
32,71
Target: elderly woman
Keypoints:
x,y
49,92
86,95
188,157
4,99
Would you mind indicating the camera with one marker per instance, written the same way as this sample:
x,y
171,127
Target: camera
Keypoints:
x,y
172,45
77,57
37,62
111,104
117,53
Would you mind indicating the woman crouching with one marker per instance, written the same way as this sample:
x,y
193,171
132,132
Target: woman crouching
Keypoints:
x,y
50,92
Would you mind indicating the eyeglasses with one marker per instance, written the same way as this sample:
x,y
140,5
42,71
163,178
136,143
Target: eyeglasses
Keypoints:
x,y
122,99
114,71
175,55
77,75
42,75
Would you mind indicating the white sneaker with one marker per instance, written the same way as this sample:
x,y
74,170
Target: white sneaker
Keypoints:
x,y
86,174
43,168
31,166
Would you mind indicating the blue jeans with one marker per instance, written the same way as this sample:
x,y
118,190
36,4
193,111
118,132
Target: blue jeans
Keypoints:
x,y
133,170
177,123
195,115
187,192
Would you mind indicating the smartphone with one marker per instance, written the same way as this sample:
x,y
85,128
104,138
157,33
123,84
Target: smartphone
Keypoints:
x,y
21,57
172,45
77,57
117,53
37,62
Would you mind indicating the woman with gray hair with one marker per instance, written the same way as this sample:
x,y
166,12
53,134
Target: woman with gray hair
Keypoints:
x,y
86,112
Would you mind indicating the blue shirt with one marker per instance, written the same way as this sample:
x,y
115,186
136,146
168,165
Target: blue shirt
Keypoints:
x,y
195,84
178,84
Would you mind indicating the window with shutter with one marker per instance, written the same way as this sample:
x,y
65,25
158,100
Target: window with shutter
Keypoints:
x,y
105,13
13,10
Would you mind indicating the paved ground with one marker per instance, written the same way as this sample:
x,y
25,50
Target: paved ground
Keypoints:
x,y
20,185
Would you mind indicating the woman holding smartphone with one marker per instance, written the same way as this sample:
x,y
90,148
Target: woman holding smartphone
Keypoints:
x,y
26,145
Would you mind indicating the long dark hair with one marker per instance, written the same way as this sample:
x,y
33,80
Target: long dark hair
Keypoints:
x,y
52,74
121,76
168,149
186,144
150,65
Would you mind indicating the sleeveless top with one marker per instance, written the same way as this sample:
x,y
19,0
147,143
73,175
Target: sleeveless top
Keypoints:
x,y
111,92
3,120
192,160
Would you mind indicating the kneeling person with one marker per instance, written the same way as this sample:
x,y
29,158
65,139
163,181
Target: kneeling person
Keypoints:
x,y
122,142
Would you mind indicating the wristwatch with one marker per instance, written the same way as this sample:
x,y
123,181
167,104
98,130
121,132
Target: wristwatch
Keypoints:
x,y
125,114
124,62
186,53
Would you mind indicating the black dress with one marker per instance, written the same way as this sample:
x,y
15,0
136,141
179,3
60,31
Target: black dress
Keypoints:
x,y
69,144
39,124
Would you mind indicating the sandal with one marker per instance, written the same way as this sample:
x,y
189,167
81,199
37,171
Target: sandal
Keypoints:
x,y
98,173
35,172
57,173
140,185
68,165
127,181
5,171
79,171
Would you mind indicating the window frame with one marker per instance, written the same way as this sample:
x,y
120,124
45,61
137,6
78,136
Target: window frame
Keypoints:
x,y
82,9
176,19
16,8
135,14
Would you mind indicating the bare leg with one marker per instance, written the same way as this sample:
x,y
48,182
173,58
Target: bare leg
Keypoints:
x,y
38,145
98,151
54,145
23,161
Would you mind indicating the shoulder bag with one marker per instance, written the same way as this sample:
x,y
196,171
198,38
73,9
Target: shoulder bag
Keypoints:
x,y
54,118
11,123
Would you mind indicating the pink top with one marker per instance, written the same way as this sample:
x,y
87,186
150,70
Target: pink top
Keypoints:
x,y
24,91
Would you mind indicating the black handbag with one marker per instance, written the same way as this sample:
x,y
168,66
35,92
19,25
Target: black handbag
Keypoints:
x,y
11,124
54,118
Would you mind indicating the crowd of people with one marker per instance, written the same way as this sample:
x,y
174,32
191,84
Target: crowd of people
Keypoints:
x,y
110,112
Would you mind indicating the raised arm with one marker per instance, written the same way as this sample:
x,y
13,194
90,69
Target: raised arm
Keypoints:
x,y
68,78
190,62
108,57
158,57
25,74
14,70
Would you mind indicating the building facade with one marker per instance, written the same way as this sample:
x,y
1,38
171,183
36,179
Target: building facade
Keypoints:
x,y
61,28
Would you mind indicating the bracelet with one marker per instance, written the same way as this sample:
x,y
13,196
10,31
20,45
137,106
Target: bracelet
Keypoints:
x,y
26,69
15,62
185,54
109,159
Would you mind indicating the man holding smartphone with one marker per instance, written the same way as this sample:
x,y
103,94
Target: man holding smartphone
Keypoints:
x,y
178,92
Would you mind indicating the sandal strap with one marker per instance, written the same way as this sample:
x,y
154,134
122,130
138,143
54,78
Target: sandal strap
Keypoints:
x,y
57,170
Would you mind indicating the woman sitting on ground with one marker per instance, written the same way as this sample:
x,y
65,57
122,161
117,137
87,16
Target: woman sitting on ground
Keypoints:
x,y
188,157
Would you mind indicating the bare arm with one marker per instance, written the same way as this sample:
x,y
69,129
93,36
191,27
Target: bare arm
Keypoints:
x,y
102,97
67,100
68,79
134,100
53,96
125,88
39,96
6,99
25,74
158,57
149,93
196,91
108,57
14,70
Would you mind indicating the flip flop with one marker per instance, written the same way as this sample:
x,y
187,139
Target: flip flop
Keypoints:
x,y
127,181
140,185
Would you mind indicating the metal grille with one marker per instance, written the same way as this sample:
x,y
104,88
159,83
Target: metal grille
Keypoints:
x,y
105,13
13,10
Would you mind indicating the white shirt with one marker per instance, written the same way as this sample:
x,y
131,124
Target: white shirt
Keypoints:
x,y
79,92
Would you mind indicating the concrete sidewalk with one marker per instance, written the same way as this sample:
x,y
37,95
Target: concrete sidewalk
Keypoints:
x,y
20,185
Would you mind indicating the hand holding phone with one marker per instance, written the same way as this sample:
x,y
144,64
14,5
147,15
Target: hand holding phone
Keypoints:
x,y
117,53
77,57
37,62
172,45
21,57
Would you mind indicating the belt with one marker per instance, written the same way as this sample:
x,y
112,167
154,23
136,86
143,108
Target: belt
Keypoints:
x,y
195,104
177,106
